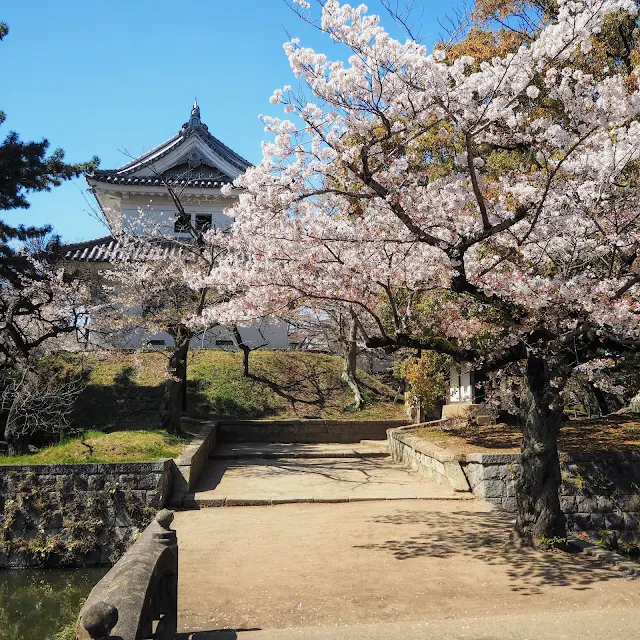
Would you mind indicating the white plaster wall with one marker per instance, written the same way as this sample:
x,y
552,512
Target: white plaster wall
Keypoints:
x,y
460,384
269,334
159,211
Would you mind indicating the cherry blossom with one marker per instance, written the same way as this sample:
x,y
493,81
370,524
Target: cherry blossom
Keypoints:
x,y
487,212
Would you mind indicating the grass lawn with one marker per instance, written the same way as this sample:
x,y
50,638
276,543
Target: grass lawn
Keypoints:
x,y
125,389
95,446
120,406
611,433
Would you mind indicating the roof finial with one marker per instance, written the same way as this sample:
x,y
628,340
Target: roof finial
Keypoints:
x,y
194,124
195,111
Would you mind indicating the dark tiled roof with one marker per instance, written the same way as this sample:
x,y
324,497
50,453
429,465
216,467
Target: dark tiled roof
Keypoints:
x,y
156,181
189,129
108,249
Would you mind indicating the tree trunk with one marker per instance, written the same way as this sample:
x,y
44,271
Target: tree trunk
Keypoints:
x,y
540,519
245,361
246,350
350,352
184,386
173,385
600,399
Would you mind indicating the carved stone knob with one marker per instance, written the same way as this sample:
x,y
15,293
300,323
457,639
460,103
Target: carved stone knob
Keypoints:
x,y
99,619
164,518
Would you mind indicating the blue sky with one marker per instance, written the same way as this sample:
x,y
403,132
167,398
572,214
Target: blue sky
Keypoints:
x,y
109,77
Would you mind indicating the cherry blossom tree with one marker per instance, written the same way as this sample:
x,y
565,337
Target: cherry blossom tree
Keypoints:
x,y
485,210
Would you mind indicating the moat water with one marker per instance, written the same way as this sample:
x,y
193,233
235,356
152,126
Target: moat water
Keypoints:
x,y
41,604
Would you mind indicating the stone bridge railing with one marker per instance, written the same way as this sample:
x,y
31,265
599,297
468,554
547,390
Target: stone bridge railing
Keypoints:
x,y
138,598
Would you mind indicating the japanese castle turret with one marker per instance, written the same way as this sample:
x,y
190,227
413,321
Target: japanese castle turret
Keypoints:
x,y
193,162
195,165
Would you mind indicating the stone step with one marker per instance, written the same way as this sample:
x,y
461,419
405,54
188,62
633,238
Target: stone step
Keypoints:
x,y
272,451
193,502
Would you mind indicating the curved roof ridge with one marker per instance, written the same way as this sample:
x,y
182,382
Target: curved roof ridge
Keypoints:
x,y
193,127
153,154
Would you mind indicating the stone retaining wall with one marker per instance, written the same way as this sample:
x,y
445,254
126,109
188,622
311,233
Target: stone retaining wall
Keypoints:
x,y
305,431
433,462
599,491
195,457
72,514
189,466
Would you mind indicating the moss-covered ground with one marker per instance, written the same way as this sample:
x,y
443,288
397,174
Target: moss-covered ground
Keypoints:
x,y
96,446
610,433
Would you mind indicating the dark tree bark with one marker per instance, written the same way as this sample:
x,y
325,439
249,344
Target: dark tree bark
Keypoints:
x,y
246,350
349,343
184,386
173,387
600,399
539,517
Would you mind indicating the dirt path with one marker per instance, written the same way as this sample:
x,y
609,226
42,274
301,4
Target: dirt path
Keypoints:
x,y
394,566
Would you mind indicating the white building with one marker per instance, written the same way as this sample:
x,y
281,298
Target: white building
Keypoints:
x,y
196,165
465,391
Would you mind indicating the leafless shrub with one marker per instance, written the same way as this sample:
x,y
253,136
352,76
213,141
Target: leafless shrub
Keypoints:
x,y
39,406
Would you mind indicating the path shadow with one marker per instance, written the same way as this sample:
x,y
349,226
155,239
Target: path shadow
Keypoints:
x,y
217,634
369,470
308,386
485,537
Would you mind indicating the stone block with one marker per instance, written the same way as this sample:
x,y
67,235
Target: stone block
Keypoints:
x,y
581,521
568,504
597,521
632,521
510,488
586,504
64,484
493,489
495,472
605,504
47,481
613,520
80,481
154,499
95,482
128,481
55,519
139,495
201,503
632,502
494,458
148,481
457,479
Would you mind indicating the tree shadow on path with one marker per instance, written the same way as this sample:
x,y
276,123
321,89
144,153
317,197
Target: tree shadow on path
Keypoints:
x,y
485,537
219,634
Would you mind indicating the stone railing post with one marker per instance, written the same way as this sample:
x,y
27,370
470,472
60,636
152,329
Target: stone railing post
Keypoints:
x,y
138,598
99,620
167,598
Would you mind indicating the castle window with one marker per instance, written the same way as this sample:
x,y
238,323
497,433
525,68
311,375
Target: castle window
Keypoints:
x,y
203,222
182,223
